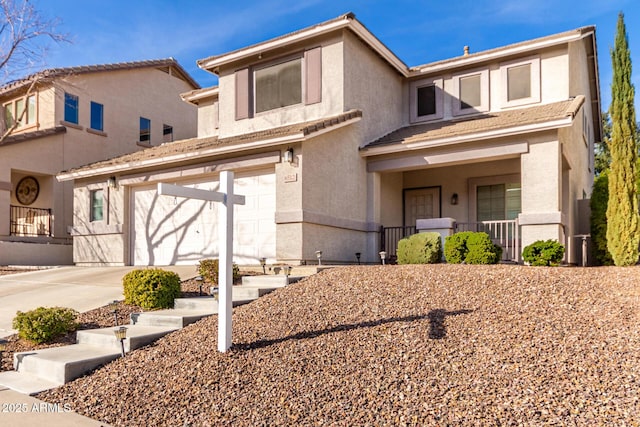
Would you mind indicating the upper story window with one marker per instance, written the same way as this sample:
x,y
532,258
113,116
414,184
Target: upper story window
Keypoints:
x,y
426,100
97,205
97,116
520,82
278,85
145,130
471,92
70,108
22,110
167,133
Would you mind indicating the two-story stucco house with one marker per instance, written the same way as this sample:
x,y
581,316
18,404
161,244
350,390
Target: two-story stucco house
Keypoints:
x,y
332,137
63,118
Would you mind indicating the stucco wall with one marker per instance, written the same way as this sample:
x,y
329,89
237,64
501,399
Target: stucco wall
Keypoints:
x,y
332,91
371,85
208,113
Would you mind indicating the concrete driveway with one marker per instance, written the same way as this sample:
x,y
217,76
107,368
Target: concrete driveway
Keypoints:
x,y
80,288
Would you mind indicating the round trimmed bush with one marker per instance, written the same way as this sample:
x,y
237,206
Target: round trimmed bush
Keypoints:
x,y
151,288
421,248
43,324
481,250
543,253
455,247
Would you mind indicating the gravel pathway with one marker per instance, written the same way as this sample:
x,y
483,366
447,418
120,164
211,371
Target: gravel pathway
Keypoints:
x,y
395,345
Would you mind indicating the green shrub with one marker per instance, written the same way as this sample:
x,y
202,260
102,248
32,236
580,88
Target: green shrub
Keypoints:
x,y
543,253
455,247
481,250
471,248
208,269
44,324
421,248
151,288
599,199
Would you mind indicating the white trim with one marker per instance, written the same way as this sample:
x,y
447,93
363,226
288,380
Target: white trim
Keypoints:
x,y
194,96
438,83
464,155
438,142
348,21
493,55
180,173
534,63
233,148
484,92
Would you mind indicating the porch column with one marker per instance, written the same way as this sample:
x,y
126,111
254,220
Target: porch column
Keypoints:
x,y
541,175
5,211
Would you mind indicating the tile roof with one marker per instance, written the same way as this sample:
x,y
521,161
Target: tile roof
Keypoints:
x,y
199,147
480,123
82,69
19,137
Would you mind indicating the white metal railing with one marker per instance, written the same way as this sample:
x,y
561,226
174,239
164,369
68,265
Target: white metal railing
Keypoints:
x,y
505,233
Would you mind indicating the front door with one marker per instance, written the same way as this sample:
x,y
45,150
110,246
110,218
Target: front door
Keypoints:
x,y
421,203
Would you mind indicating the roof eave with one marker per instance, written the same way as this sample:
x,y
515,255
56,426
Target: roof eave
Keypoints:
x,y
347,21
498,53
457,139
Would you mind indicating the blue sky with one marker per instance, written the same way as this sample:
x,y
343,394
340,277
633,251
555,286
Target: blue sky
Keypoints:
x,y
418,32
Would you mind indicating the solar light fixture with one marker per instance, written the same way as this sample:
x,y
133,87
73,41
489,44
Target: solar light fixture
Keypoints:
x,y
113,307
319,256
215,292
358,257
263,263
199,281
383,256
121,335
287,270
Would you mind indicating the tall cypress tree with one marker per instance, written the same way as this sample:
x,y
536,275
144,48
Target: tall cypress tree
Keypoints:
x,y
622,211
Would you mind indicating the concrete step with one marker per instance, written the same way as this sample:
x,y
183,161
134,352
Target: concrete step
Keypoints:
x,y
63,364
207,303
175,318
25,383
137,336
269,281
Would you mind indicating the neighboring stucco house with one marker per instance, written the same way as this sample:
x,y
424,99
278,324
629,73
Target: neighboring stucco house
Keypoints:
x,y
332,137
63,118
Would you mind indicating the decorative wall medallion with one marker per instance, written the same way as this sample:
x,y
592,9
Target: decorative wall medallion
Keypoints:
x,y
27,190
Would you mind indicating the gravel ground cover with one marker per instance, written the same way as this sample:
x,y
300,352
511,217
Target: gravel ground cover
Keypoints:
x,y
11,270
394,345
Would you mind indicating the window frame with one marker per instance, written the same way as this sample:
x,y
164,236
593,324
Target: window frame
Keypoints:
x,y
167,130
456,109
30,120
91,118
438,83
70,96
147,134
474,183
273,63
535,97
93,205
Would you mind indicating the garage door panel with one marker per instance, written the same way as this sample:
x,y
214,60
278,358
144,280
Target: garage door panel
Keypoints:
x,y
170,231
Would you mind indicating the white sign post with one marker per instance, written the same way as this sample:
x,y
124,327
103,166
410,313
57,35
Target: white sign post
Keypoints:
x,y
225,270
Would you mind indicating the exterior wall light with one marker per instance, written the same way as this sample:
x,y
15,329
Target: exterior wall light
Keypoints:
x,y
121,335
454,199
383,256
319,256
288,155
112,182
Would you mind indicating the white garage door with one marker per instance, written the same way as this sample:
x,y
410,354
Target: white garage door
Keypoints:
x,y
169,231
